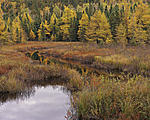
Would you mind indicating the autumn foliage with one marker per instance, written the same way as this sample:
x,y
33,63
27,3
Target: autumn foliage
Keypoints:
x,y
104,22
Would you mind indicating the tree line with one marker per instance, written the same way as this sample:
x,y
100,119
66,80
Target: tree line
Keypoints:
x,y
103,21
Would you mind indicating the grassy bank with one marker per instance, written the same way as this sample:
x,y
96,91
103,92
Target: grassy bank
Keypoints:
x,y
18,72
17,76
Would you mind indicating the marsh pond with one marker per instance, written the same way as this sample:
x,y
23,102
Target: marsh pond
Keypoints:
x,y
39,103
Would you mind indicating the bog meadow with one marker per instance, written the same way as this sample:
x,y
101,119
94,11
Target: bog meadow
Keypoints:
x,y
98,50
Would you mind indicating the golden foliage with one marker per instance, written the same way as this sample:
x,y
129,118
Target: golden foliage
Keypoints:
x,y
121,35
83,26
136,32
99,28
68,15
18,33
3,29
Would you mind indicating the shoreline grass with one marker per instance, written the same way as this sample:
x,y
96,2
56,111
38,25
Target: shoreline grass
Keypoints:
x,y
22,75
114,100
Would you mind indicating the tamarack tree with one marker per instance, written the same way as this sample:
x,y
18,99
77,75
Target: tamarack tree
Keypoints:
x,y
3,29
99,29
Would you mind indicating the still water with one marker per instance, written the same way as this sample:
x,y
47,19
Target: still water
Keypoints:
x,y
42,103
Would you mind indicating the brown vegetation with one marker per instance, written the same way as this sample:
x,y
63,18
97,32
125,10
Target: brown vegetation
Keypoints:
x,y
18,71
133,60
116,95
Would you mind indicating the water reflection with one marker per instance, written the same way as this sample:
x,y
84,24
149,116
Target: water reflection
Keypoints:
x,y
40,103
6,97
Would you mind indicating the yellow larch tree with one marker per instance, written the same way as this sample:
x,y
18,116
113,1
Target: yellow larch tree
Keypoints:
x,y
54,21
131,28
18,33
47,28
136,33
42,31
68,15
126,17
26,17
99,29
3,29
121,35
83,25
142,12
32,35
140,35
26,22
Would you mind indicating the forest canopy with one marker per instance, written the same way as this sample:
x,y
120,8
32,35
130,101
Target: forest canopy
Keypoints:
x,y
103,21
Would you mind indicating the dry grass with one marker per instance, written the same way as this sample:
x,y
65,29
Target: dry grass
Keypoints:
x,y
133,60
17,72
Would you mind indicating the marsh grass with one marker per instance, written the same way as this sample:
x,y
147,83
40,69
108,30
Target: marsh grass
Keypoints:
x,y
94,96
122,63
110,99
111,59
16,74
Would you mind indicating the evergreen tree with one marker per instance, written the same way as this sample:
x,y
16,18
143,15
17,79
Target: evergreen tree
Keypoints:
x,y
67,17
121,35
140,35
47,30
83,25
27,23
136,33
99,28
110,10
18,33
63,20
3,29
54,26
114,20
73,29
142,12
125,18
41,32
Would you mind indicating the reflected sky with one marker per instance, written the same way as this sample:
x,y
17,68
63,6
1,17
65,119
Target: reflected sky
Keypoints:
x,y
47,103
